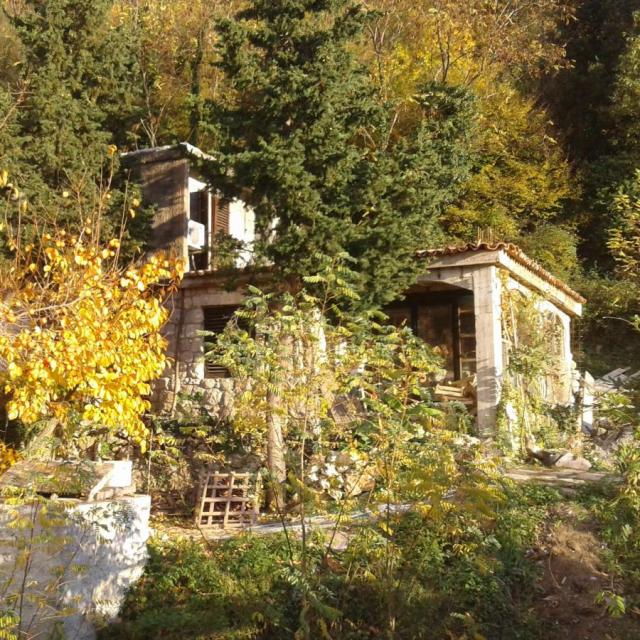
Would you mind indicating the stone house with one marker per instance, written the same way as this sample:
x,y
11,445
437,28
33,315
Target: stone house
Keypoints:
x,y
456,304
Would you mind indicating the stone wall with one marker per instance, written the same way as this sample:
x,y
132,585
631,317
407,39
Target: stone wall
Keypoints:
x,y
185,374
74,565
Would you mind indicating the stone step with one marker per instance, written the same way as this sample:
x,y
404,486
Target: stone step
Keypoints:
x,y
558,477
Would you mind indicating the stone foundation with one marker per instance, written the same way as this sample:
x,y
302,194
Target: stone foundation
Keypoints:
x,y
74,566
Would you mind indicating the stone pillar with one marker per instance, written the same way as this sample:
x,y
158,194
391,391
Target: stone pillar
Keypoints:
x,y
487,308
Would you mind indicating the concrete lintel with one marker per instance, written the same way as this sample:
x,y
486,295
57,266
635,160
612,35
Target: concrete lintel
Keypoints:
x,y
470,258
455,276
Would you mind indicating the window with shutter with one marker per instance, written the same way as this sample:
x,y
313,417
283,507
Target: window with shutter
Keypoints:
x,y
221,217
199,212
199,206
215,321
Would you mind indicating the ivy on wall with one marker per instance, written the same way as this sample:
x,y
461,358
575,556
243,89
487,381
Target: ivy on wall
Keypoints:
x,y
534,376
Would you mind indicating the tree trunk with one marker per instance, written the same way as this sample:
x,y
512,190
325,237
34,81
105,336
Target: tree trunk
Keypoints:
x,y
276,425
195,112
275,455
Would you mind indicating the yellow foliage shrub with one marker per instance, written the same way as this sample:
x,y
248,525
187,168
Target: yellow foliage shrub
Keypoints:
x,y
80,336
8,457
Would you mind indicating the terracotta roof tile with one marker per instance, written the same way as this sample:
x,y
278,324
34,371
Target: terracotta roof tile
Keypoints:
x,y
514,252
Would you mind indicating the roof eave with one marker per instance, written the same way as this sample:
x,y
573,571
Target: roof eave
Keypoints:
x,y
181,150
518,264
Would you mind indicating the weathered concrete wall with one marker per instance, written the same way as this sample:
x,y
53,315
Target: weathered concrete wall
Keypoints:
x,y
76,567
558,385
164,175
165,185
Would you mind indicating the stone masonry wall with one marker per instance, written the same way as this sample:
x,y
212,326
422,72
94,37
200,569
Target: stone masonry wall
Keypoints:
x,y
185,373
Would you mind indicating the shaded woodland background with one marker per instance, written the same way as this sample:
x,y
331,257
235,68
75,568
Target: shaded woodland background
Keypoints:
x,y
552,141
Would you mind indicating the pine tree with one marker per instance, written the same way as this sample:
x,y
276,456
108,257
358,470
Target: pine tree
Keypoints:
x,y
10,152
81,79
309,144
78,93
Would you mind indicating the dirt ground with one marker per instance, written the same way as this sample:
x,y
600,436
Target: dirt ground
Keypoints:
x,y
570,555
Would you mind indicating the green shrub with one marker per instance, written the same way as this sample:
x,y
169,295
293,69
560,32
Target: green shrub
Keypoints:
x,y
447,578
616,507
453,580
235,591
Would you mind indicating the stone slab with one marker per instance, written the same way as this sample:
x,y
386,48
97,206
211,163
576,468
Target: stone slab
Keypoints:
x,y
67,478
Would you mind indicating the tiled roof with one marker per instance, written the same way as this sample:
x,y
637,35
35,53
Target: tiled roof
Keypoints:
x,y
514,252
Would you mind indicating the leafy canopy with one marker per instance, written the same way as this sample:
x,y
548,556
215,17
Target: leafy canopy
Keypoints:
x,y
75,95
80,337
82,76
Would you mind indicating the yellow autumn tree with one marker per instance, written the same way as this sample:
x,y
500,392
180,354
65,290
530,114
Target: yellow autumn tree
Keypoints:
x,y
176,63
80,335
521,179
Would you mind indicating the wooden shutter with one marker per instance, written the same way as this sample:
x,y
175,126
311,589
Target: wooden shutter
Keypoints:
x,y
199,206
215,321
221,217
199,212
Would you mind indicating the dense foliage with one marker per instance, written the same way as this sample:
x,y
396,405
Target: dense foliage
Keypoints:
x,y
358,132
80,335
310,145
459,577
73,94
540,158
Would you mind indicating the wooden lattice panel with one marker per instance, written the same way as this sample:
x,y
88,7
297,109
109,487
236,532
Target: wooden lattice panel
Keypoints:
x,y
225,501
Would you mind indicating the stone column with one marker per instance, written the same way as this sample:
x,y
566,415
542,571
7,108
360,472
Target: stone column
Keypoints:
x,y
487,308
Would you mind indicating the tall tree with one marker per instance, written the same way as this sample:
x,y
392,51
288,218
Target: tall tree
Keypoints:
x,y
62,117
521,178
579,96
592,104
83,88
310,144
175,61
464,41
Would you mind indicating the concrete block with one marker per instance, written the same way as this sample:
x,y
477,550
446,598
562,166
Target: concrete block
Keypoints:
x,y
121,474
101,553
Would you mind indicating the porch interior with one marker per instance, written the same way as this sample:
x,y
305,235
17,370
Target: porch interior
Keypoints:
x,y
443,316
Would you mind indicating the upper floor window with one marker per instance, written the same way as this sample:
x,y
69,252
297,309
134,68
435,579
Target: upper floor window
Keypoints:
x,y
208,216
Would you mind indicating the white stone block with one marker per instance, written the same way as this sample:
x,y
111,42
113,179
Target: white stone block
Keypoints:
x,y
102,553
121,474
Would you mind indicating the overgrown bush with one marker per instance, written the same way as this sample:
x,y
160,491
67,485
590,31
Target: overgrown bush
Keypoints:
x,y
463,576
617,509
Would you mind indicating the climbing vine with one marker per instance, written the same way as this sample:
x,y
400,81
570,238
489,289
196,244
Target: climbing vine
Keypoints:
x,y
533,373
